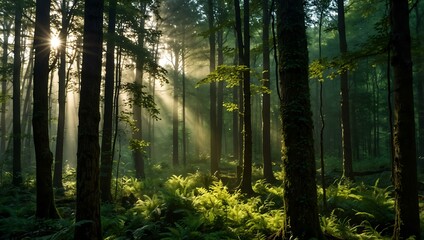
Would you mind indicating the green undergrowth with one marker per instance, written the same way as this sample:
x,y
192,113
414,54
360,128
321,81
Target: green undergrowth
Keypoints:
x,y
199,206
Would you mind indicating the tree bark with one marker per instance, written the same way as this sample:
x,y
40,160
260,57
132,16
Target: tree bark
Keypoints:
x,y
58,163
344,93
212,90
407,221
106,148
266,97
17,171
300,193
246,180
88,192
5,48
175,145
43,155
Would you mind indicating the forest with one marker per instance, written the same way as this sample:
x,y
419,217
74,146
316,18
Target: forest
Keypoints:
x,y
212,119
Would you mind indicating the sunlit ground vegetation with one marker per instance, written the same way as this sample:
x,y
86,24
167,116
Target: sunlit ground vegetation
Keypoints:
x,y
174,204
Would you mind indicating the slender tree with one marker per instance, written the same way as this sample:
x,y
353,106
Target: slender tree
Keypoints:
x,y
43,155
212,88
60,136
88,191
266,97
344,93
5,48
106,149
300,193
420,85
407,221
17,172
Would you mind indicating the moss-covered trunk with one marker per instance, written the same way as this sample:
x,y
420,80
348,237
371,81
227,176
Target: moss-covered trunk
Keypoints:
x,y
407,222
300,193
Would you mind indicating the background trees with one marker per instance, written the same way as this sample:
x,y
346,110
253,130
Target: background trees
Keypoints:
x,y
158,56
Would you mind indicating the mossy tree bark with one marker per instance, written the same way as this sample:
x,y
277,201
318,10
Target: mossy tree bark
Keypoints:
x,y
43,155
407,221
300,193
88,191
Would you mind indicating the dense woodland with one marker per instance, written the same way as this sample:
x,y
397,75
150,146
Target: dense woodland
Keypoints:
x,y
212,119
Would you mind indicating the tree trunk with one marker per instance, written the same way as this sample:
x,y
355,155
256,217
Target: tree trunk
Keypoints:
x,y
138,134
344,92
175,160
407,221
212,90
17,172
300,193
106,149
40,125
88,192
219,97
58,164
266,97
5,48
246,180
420,88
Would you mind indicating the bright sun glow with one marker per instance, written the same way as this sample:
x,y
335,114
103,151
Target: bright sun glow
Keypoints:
x,y
55,42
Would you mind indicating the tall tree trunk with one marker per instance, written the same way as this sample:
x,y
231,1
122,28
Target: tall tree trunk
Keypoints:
x,y
17,171
184,103
106,148
344,92
138,134
212,89
4,93
40,125
246,180
220,85
420,88
175,160
300,193
239,47
58,163
407,221
266,97
88,192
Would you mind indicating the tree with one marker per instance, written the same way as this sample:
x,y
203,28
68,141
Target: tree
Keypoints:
x,y
88,192
344,93
6,24
300,193
212,89
106,149
266,97
63,35
43,155
246,180
17,175
407,221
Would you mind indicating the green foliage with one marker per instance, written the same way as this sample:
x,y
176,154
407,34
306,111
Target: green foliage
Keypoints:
x,y
199,206
361,202
140,97
232,75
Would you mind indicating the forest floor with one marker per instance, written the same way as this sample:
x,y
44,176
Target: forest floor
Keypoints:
x,y
198,206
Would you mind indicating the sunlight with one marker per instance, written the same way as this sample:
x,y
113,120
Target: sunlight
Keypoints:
x,y
55,42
